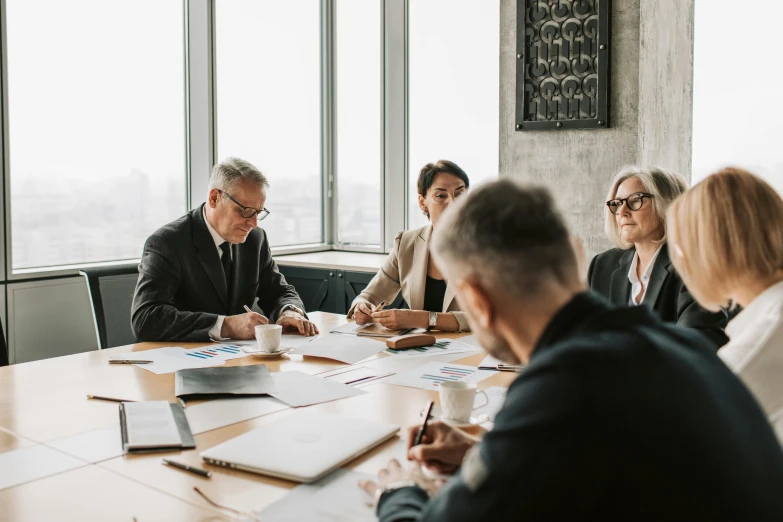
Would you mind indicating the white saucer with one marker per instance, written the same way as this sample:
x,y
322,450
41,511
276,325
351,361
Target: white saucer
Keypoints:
x,y
456,424
266,355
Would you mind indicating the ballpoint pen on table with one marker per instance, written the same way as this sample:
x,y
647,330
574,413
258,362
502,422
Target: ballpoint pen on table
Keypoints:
x,y
129,361
110,399
191,469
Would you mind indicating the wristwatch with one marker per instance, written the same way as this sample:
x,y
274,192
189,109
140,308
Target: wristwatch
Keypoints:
x,y
292,308
433,322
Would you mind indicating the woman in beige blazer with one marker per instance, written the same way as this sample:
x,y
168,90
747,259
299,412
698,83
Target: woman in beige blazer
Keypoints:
x,y
409,268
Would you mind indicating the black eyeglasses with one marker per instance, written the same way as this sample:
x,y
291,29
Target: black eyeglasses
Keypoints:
x,y
634,202
247,212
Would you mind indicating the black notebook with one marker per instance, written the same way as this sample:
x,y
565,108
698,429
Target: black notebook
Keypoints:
x,y
230,381
154,426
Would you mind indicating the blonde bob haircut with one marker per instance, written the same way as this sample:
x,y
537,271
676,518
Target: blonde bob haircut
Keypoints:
x,y
664,186
725,231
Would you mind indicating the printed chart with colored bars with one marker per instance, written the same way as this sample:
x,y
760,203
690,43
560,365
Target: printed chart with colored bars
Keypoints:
x,y
209,353
430,375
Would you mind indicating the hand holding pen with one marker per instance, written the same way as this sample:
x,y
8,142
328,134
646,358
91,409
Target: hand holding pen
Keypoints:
x,y
363,312
440,447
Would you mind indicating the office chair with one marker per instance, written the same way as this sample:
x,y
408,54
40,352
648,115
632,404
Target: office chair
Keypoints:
x,y
111,294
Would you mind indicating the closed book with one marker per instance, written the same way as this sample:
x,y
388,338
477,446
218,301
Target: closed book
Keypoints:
x,y
154,426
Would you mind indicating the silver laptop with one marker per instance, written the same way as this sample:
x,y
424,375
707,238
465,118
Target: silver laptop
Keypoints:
x,y
302,447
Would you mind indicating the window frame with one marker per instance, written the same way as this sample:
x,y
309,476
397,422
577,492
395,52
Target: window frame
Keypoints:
x,y
199,84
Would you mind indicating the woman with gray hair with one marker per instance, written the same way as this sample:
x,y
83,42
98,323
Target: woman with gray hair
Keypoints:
x,y
639,270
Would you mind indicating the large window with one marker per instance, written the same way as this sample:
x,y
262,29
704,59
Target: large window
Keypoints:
x,y
735,118
268,83
96,127
358,136
453,89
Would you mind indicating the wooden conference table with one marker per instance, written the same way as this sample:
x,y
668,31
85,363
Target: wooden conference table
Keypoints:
x,y
43,401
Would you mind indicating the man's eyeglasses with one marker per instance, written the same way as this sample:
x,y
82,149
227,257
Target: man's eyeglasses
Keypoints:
x,y
247,212
634,202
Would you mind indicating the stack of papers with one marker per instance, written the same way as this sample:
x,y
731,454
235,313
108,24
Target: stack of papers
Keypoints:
x,y
202,383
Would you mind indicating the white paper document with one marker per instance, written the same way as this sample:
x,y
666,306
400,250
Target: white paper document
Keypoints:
x,y
300,389
428,376
173,358
490,362
150,424
401,364
442,347
469,340
28,464
92,446
354,375
335,497
349,349
216,414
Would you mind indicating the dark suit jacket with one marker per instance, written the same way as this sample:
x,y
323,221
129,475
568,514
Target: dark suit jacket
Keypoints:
x,y
618,417
666,293
182,289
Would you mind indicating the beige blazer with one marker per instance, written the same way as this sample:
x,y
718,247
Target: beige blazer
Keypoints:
x,y
405,270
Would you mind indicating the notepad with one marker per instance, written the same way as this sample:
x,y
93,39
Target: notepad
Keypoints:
x,y
154,426
374,330
231,381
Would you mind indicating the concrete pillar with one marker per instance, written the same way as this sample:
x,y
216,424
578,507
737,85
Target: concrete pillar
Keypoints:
x,y
651,83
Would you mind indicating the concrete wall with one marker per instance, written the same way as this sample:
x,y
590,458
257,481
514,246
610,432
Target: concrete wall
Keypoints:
x,y
666,84
647,56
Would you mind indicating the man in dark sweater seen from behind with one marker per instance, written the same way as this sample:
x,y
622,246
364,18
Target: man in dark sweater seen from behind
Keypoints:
x,y
618,416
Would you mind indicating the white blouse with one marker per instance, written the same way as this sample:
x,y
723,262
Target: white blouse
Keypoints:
x,y
640,285
755,351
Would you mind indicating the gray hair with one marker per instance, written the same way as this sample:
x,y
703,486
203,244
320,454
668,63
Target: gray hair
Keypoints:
x,y
230,171
512,237
664,186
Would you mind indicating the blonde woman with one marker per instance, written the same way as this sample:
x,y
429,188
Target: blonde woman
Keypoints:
x,y
727,237
639,270
410,269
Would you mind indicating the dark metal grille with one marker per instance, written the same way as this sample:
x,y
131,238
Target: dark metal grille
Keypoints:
x,y
562,64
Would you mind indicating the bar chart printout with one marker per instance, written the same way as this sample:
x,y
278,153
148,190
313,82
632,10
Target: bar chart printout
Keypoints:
x,y
429,376
218,351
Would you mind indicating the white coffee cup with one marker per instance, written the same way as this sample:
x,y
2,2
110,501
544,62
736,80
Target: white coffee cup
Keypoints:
x,y
457,400
268,337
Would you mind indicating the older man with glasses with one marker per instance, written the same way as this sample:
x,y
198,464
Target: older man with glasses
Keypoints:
x,y
200,274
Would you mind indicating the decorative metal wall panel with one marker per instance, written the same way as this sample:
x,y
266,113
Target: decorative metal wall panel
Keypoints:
x,y
562,64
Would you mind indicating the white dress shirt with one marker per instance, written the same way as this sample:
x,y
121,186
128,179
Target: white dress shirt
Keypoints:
x,y
214,332
755,351
638,285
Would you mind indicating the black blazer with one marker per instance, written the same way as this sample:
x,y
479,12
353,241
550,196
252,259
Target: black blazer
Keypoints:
x,y
618,417
666,293
182,288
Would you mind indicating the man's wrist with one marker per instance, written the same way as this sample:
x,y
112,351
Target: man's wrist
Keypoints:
x,y
394,486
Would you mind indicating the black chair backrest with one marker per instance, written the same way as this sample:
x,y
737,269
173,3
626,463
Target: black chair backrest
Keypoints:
x,y
111,295
3,348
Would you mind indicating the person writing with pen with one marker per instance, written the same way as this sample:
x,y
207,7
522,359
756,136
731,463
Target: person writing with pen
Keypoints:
x,y
199,275
411,270
618,415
